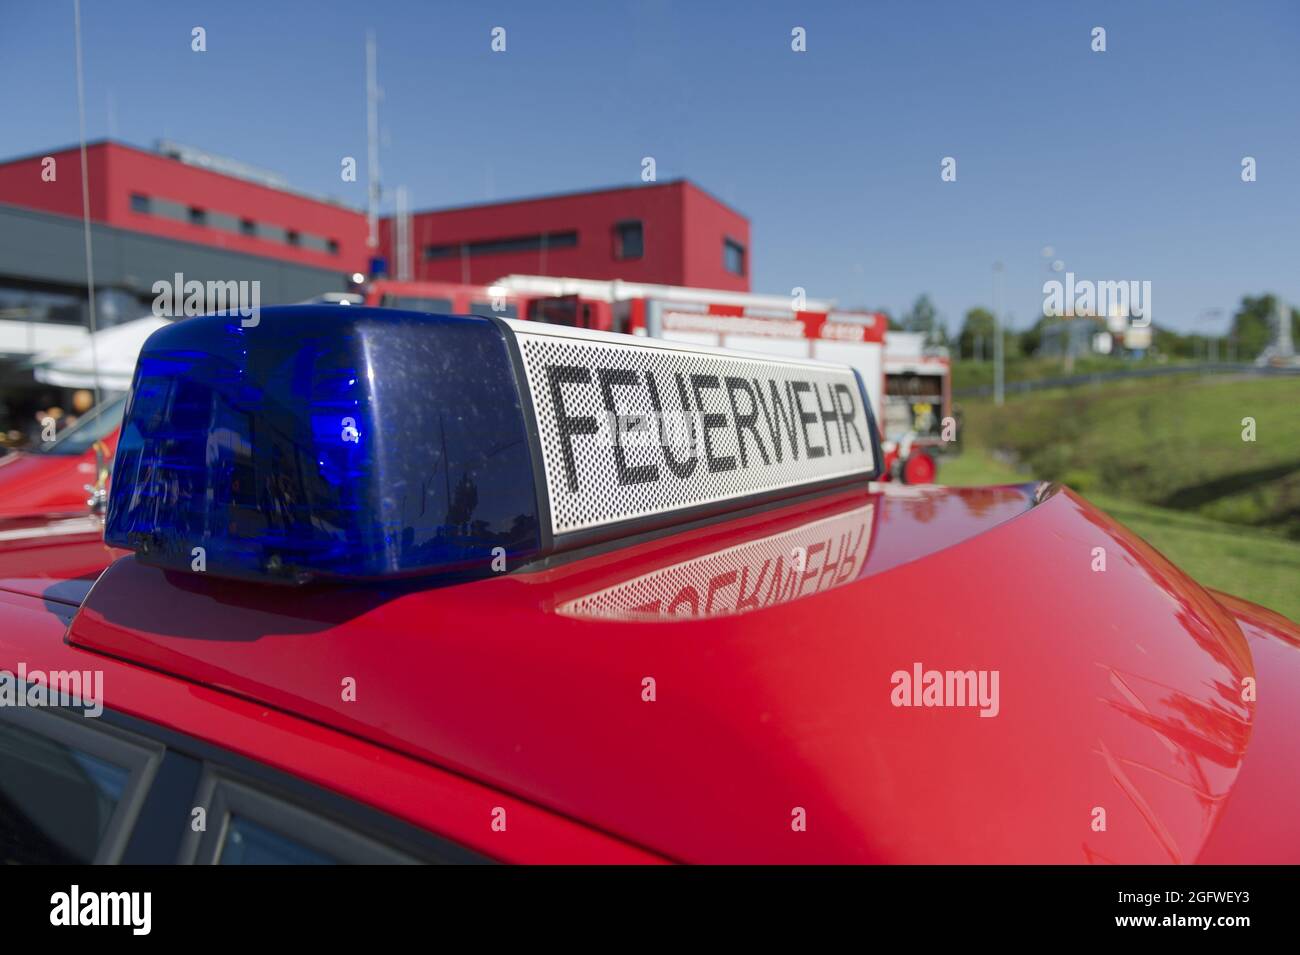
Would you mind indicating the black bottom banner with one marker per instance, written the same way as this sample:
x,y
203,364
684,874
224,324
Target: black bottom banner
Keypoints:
x,y
304,904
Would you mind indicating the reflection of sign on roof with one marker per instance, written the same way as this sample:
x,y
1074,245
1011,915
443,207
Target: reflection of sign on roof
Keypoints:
x,y
771,570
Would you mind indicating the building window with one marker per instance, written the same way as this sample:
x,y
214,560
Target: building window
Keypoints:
x,y
223,221
247,227
439,251
292,238
629,240
198,216
733,256
140,203
523,243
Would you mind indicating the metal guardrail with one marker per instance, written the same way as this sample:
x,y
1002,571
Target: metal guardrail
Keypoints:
x,y
1073,381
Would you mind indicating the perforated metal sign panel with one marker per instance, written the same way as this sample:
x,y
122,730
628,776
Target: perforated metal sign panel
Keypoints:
x,y
635,428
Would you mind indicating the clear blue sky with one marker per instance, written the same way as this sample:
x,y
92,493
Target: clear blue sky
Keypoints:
x,y
1127,162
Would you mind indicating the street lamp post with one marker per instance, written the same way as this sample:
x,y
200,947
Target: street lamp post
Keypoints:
x,y
1211,341
997,336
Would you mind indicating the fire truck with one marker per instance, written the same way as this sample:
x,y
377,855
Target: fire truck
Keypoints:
x,y
449,298
918,401
908,387
908,383
443,298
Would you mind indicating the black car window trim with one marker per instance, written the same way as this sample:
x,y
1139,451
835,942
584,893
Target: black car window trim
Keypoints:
x,y
223,796
370,821
141,757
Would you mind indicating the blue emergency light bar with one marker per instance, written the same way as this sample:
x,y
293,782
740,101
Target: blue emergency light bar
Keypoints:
x,y
364,443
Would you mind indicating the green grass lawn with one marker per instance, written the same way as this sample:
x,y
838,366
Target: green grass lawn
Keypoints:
x,y
1256,564
1172,442
1246,562
974,468
968,373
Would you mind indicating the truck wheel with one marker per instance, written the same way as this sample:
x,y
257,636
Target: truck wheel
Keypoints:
x,y
919,468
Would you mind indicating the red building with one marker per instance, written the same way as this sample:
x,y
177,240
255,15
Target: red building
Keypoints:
x,y
669,233
178,210
161,195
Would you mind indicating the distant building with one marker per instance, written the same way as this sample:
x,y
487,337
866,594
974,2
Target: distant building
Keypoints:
x,y
1070,336
154,215
211,218
1089,335
214,219
669,233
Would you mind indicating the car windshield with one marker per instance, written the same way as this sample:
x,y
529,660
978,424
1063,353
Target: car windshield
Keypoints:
x,y
93,426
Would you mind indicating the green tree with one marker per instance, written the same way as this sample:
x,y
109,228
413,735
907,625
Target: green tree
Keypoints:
x,y
924,317
1252,326
1166,341
1031,338
977,324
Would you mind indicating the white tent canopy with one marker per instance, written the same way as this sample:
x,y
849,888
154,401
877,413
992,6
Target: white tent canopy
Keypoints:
x,y
115,351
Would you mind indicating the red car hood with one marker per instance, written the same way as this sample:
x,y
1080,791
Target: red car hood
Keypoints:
x,y
33,484
779,647
55,557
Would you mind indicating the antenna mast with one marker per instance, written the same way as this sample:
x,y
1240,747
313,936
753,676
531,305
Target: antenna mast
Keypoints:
x,y
372,142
